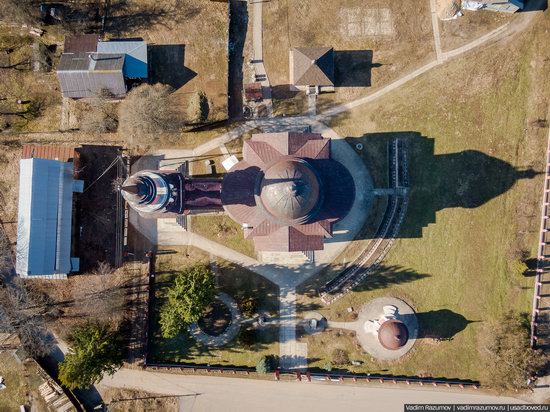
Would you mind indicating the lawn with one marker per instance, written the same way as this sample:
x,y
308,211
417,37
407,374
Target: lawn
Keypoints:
x,y
224,230
475,157
21,380
236,281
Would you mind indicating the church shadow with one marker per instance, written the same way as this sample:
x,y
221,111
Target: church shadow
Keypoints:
x,y
466,179
441,324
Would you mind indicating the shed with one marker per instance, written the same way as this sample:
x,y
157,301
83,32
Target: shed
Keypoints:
x,y
312,67
44,224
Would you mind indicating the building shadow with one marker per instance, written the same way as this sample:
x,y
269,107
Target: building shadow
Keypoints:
x,y
283,92
166,63
442,324
466,179
353,68
534,5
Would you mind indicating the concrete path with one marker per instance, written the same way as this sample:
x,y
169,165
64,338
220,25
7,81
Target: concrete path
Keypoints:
x,y
435,28
258,62
234,394
292,355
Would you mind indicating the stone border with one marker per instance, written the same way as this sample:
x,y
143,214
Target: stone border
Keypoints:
x,y
230,332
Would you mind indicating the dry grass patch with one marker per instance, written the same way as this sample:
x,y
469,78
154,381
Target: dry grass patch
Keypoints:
x,y
375,42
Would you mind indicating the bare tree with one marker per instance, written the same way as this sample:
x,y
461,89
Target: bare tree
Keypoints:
x,y
101,293
100,117
147,111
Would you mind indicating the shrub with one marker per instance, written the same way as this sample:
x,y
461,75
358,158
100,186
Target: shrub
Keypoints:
x,y
327,366
248,306
509,358
248,337
340,357
266,364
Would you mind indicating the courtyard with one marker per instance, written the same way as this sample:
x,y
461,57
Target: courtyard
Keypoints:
x,y
456,281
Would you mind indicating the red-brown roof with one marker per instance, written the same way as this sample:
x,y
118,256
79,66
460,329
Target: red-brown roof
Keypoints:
x,y
244,200
253,92
84,43
61,153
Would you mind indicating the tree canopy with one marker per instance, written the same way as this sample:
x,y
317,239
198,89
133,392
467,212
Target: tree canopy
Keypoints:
x,y
193,290
148,110
96,350
509,356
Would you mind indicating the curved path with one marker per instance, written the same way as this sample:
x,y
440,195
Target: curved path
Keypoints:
x,y
228,334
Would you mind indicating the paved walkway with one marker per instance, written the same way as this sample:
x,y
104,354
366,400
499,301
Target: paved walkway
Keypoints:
x,y
500,31
292,354
435,28
258,62
234,394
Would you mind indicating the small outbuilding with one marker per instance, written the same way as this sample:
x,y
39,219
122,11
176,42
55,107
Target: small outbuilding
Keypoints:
x,y
312,69
89,67
44,225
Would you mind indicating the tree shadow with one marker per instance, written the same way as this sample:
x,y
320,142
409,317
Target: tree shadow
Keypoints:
x,y
166,63
353,68
238,24
124,16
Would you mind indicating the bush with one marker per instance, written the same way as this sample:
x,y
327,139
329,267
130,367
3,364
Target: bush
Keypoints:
x,y
248,306
509,358
96,350
327,366
147,111
198,109
248,337
340,357
265,365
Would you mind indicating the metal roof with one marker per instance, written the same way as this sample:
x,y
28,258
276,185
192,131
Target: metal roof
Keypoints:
x,y
81,43
45,218
135,63
87,74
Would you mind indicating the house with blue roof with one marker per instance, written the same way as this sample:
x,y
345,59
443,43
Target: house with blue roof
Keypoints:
x,y
90,67
45,218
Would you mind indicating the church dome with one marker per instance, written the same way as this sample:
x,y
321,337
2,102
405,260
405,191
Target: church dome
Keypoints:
x,y
290,190
393,334
146,191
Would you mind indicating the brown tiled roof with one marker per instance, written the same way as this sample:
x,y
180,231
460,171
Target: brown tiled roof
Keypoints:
x,y
81,44
242,196
313,66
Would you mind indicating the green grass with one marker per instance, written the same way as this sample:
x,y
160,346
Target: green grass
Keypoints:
x,y
473,213
238,283
224,230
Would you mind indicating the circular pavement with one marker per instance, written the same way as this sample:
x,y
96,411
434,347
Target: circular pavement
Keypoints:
x,y
228,334
372,311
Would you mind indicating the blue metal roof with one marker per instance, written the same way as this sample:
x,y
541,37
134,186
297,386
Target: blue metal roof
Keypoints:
x,y
45,218
135,63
